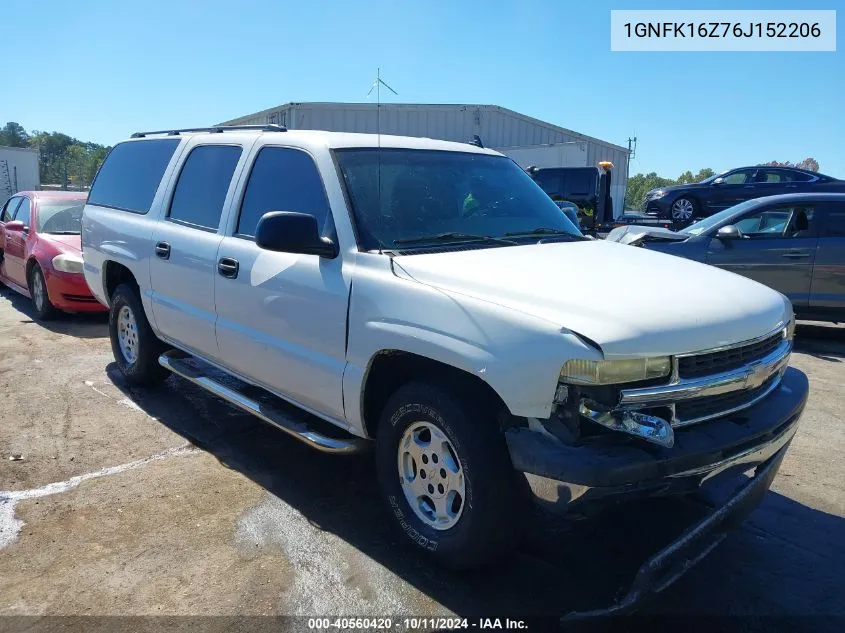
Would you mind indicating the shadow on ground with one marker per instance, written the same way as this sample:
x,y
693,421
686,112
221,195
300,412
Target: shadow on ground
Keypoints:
x,y
824,341
81,325
786,559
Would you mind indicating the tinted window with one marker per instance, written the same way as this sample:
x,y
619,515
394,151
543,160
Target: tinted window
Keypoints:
x,y
282,179
798,176
405,198
9,209
578,183
736,178
203,183
549,182
777,222
23,212
130,175
835,221
771,175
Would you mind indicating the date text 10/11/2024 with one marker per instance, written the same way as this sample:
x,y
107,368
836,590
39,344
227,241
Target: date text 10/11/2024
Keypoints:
x,y
414,624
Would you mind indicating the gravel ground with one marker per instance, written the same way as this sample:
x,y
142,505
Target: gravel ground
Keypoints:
x,y
168,501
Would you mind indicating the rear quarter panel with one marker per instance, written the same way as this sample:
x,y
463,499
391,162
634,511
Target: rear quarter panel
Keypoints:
x,y
124,237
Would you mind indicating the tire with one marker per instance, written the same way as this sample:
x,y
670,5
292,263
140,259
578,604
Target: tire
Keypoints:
x,y
135,347
683,211
486,523
44,309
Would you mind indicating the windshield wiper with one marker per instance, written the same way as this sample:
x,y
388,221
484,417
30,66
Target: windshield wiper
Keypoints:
x,y
545,231
453,236
62,232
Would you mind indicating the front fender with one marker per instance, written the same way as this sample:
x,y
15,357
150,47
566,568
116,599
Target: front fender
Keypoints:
x,y
518,355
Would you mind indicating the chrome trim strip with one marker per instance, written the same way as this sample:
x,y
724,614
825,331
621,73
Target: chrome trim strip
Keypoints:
x,y
685,422
747,377
780,328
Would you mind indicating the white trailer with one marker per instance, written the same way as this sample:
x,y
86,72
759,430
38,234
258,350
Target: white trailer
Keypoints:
x,y
18,170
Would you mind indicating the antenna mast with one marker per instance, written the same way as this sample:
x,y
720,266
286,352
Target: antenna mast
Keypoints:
x,y
377,84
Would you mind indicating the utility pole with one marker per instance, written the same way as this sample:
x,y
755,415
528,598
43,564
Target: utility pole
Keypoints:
x,y
632,153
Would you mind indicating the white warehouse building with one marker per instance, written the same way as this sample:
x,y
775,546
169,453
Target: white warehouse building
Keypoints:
x,y
18,171
527,140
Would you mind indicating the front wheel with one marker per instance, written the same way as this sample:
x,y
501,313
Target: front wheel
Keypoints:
x,y
40,298
446,475
135,347
683,210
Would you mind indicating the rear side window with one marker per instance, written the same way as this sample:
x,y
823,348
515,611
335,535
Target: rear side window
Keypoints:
x,y
835,220
130,176
282,179
203,183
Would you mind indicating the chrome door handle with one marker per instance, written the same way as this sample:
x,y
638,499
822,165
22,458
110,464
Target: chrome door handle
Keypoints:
x,y
163,250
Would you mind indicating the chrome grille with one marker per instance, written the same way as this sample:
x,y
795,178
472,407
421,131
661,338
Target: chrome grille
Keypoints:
x,y
708,407
708,363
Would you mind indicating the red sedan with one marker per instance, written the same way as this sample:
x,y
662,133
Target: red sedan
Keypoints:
x,y
41,252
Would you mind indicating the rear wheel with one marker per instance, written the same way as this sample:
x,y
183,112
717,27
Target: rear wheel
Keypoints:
x,y
135,347
40,298
446,474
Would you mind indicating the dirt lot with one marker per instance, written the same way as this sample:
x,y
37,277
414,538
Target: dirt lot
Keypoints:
x,y
167,501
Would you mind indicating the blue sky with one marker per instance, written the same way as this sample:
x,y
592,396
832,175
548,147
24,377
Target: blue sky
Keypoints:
x,y
99,70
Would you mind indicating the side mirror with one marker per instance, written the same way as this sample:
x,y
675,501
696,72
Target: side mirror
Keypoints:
x,y
15,226
728,232
719,181
293,232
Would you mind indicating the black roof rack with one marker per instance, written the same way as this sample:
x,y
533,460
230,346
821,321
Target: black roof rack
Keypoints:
x,y
217,129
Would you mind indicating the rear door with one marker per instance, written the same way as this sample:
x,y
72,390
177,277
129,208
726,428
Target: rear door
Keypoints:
x,y
828,287
777,249
6,215
185,243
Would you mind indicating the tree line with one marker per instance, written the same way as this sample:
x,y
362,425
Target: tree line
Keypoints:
x,y
64,160
640,184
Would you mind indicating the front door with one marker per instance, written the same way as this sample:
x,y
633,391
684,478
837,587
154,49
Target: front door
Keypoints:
x,y
6,215
777,248
731,189
185,245
281,317
14,251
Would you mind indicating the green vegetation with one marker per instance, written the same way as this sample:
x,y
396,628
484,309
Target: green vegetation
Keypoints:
x,y
65,161
640,184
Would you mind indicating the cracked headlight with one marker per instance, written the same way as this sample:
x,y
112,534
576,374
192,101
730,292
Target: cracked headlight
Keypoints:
x,y
611,372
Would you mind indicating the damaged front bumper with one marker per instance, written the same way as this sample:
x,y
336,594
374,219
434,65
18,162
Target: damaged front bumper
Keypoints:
x,y
582,478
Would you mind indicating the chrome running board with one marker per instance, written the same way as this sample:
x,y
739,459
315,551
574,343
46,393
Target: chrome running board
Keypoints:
x,y
175,361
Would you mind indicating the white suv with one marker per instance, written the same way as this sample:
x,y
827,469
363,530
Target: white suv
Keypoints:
x,y
429,296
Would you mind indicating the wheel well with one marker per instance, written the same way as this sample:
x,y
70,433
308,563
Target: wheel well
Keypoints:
x,y
32,263
390,369
116,274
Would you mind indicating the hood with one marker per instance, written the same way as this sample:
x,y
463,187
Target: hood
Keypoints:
x,y
64,243
631,301
635,234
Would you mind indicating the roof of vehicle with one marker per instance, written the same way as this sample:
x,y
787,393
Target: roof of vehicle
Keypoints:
x,y
796,197
338,140
798,169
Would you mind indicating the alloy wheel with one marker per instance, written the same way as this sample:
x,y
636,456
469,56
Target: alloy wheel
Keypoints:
x,y
431,475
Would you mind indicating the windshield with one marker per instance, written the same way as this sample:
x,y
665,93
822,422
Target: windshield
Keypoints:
x,y
402,197
64,218
707,223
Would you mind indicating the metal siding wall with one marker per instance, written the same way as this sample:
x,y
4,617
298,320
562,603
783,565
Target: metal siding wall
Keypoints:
x,y
25,162
451,123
